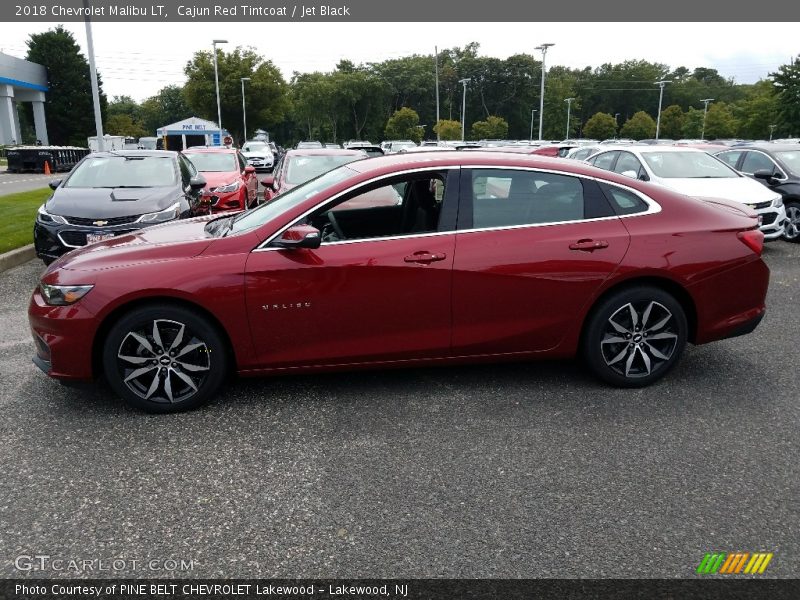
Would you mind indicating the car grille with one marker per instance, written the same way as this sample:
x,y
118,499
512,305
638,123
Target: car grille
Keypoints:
x,y
768,218
78,238
761,205
108,222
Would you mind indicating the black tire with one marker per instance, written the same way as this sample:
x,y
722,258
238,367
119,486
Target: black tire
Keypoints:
x,y
792,231
48,261
611,336
187,353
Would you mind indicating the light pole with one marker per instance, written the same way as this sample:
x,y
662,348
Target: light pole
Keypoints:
x,y
569,106
244,108
661,85
533,112
216,82
543,48
436,50
705,101
771,129
464,82
98,119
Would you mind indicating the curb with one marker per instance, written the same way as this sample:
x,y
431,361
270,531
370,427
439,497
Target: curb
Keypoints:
x,y
14,258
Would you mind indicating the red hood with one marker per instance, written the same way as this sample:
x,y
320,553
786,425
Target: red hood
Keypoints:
x,y
218,178
180,239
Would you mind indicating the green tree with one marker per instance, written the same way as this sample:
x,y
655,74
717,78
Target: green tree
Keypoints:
x,y
266,92
787,87
448,130
122,124
600,126
693,123
720,122
672,121
168,106
69,105
640,126
493,128
404,124
757,111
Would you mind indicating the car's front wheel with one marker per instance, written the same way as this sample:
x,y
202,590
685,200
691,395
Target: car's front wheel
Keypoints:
x,y
164,358
635,336
791,232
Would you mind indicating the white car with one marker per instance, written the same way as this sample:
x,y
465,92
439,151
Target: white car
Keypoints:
x,y
259,155
698,174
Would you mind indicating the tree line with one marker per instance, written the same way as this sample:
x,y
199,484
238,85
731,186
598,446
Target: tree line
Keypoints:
x,y
395,98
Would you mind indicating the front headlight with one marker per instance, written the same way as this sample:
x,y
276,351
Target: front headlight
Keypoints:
x,y
173,212
778,202
46,217
228,187
63,295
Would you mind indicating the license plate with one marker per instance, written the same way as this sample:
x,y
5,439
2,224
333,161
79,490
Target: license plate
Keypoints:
x,y
91,238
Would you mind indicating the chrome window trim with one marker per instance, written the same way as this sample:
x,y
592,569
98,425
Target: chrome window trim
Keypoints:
x,y
653,207
772,160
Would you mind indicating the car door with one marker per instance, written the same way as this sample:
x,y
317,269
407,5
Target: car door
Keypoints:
x,y
604,160
754,160
528,258
627,164
379,292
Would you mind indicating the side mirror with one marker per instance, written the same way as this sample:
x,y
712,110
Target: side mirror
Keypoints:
x,y
54,184
644,176
764,174
299,236
631,174
268,181
249,170
197,183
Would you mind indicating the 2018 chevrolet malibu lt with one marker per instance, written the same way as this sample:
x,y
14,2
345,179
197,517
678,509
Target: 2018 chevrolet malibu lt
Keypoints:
x,y
487,257
698,174
109,194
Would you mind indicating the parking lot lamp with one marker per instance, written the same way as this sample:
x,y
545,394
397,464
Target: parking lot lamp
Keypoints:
x,y
98,119
543,48
533,112
216,82
464,82
661,85
244,108
705,101
569,106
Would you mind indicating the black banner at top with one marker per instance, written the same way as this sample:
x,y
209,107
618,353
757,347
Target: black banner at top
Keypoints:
x,y
446,11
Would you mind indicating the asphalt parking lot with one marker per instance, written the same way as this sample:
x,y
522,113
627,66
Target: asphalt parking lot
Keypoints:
x,y
529,470
11,183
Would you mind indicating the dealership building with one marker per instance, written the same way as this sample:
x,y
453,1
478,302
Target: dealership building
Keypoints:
x,y
21,81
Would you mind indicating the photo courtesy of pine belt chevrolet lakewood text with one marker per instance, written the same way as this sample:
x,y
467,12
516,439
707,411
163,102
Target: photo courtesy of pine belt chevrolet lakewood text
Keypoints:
x,y
406,260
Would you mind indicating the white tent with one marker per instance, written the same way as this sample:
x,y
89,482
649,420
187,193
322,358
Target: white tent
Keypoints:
x,y
192,128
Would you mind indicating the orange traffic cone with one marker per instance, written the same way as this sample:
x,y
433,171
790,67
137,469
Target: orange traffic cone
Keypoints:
x,y
47,167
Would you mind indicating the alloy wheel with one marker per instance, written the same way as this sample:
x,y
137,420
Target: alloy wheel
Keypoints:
x,y
792,229
163,362
639,339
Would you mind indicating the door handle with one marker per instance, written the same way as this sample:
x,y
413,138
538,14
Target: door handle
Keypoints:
x,y
424,257
588,245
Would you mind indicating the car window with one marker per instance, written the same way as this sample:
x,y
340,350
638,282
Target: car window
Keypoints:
x,y
187,169
730,158
603,161
623,201
242,161
756,161
300,169
627,162
405,205
502,198
687,165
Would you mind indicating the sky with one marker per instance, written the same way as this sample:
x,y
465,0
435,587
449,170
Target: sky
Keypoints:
x,y
138,59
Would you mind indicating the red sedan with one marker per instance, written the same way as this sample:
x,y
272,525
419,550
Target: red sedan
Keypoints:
x,y
298,166
231,183
487,257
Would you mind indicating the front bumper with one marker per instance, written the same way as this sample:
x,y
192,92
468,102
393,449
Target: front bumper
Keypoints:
x,y
260,164
223,202
53,240
772,220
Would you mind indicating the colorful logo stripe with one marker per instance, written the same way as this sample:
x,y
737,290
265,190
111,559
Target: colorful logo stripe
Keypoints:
x,y
733,563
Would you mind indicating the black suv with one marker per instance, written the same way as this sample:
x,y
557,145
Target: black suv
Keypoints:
x,y
778,167
112,193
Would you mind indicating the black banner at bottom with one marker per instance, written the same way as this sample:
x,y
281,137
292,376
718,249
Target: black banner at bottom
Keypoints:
x,y
396,589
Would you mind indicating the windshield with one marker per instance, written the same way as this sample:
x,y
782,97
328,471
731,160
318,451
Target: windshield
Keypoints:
x,y
123,171
266,212
790,158
303,168
253,146
687,165
211,162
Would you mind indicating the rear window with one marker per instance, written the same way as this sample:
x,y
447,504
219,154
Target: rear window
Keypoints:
x,y
123,171
623,201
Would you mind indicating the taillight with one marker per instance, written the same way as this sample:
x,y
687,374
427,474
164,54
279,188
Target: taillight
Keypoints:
x,y
753,239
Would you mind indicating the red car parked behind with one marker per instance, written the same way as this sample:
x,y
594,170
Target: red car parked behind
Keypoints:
x,y
231,182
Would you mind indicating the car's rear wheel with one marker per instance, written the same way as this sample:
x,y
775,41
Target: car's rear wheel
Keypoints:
x,y
164,358
635,336
791,232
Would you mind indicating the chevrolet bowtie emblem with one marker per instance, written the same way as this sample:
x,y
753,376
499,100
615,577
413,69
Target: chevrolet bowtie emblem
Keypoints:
x,y
99,223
